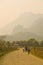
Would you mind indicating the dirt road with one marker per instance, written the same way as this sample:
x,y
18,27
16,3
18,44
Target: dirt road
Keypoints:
x,y
20,58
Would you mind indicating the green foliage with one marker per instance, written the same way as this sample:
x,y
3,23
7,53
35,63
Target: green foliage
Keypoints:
x,y
33,43
41,43
30,42
6,47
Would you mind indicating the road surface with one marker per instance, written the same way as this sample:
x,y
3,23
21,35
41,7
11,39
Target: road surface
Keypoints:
x,y
20,58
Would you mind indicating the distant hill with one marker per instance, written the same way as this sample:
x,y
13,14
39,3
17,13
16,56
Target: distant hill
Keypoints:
x,y
37,27
21,36
26,19
2,36
29,26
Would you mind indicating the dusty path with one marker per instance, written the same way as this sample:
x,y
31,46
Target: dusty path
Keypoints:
x,y
20,58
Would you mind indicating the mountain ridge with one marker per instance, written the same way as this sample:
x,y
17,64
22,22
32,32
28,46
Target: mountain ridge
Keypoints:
x,y
26,19
26,23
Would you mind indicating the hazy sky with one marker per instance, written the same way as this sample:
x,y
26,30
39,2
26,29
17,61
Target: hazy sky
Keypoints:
x,y
11,9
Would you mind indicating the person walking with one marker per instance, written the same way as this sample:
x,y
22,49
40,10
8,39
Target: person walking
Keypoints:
x,y
28,50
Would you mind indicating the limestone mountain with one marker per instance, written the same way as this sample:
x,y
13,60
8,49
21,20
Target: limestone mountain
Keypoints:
x,y
27,25
26,19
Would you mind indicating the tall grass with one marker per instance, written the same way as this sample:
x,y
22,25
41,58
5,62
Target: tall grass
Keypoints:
x,y
37,51
7,50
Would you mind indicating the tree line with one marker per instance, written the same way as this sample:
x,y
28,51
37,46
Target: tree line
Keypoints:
x,y
7,46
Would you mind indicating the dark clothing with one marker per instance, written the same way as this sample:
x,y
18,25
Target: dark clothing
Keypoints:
x,y
28,50
25,48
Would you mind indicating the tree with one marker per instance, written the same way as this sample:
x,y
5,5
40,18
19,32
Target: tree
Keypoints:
x,y
8,44
33,43
41,43
13,43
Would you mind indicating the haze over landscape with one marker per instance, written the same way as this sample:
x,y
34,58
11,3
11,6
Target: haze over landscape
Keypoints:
x,y
17,18
21,32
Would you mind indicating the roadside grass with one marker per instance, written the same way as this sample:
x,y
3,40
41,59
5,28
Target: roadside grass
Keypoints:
x,y
37,51
3,52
